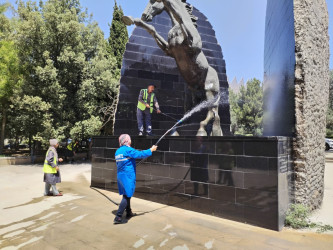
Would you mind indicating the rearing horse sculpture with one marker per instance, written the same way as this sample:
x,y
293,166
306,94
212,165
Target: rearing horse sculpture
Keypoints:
x,y
185,46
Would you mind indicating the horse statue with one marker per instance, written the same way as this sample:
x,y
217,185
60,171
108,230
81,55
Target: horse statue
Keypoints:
x,y
185,46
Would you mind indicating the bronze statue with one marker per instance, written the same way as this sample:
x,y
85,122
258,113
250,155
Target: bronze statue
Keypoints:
x,y
185,46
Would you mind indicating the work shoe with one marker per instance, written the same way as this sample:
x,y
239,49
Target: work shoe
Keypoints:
x,y
117,220
140,134
130,214
58,194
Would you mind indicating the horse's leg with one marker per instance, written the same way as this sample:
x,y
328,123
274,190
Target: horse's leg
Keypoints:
x,y
217,131
150,29
210,114
212,94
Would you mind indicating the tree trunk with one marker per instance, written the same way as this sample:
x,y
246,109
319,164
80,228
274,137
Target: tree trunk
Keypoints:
x,y
30,141
3,126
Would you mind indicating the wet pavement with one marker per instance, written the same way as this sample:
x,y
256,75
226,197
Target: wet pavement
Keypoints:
x,y
83,219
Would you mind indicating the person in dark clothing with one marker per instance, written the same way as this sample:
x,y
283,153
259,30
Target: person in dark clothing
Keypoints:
x,y
146,102
126,174
71,150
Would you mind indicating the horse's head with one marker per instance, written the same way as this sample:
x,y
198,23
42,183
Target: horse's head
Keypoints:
x,y
154,8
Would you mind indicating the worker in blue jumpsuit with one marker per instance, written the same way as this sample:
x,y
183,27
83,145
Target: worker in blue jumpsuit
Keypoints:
x,y
126,174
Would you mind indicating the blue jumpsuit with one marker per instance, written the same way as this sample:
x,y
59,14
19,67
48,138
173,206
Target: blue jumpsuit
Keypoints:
x,y
126,168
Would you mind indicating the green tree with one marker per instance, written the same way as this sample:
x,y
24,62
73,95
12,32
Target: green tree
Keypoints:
x,y
329,117
246,108
118,35
10,77
66,63
87,128
5,23
28,117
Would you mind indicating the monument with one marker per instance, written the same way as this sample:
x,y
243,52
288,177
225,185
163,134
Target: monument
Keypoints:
x,y
247,179
296,89
145,62
185,46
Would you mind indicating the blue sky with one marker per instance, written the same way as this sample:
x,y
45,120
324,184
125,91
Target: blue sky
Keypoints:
x,y
239,27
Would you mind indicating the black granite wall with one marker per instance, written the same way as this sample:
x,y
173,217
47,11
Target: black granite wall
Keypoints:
x,y
144,62
279,69
238,178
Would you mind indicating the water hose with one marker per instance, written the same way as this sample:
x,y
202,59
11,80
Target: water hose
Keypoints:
x,y
161,138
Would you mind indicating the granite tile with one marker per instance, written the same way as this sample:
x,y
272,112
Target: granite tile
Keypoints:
x,y
256,198
194,188
176,159
230,147
252,164
222,162
180,173
261,182
221,193
229,178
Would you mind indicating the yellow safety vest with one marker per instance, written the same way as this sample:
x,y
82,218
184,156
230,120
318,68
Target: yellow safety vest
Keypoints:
x,y
142,106
70,146
47,167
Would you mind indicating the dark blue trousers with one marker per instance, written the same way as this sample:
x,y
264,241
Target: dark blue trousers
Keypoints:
x,y
144,116
124,204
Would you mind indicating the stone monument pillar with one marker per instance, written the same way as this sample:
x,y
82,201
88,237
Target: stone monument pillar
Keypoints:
x,y
296,88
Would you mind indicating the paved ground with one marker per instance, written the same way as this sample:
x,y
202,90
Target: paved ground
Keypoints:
x,y
83,219
325,214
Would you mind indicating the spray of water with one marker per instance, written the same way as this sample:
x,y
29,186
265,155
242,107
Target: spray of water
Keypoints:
x,y
196,109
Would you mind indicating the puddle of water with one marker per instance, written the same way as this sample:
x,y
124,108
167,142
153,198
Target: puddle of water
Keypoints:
x,y
139,243
14,233
42,228
34,239
15,227
168,226
78,218
24,212
151,248
173,234
48,215
209,244
184,247
163,243
72,208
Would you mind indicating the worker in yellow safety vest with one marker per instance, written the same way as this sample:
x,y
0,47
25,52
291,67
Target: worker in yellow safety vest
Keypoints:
x,y
147,101
71,150
51,169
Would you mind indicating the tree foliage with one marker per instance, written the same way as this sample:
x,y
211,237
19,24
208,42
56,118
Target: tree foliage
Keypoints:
x,y
29,117
118,35
10,76
329,117
66,66
246,108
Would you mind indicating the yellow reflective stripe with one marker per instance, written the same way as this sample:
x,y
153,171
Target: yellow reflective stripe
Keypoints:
x,y
70,146
145,95
152,100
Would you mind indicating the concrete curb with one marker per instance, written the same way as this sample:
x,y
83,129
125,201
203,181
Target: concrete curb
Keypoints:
x,y
19,160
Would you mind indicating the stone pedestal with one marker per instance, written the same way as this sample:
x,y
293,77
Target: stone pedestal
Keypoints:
x,y
239,178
